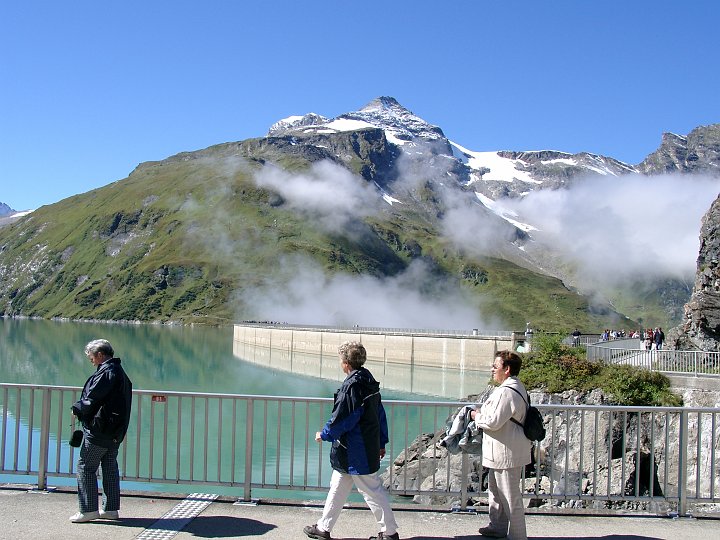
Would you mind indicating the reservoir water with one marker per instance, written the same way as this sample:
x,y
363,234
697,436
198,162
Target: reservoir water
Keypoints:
x,y
169,358
177,358
188,359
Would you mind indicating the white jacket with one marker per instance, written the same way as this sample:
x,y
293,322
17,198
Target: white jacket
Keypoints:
x,y
504,443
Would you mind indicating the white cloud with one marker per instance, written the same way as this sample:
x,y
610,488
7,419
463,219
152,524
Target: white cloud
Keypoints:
x,y
474,230
326,192
615,228
413,299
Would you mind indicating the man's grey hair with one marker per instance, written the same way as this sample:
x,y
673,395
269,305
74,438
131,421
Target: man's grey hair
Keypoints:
x,y
100,346
353,353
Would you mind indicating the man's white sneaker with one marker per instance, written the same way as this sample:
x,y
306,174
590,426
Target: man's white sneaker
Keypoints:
x,y
81,517
109,514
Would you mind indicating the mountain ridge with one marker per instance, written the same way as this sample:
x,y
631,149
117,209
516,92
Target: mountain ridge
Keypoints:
x,y
493,173
191,237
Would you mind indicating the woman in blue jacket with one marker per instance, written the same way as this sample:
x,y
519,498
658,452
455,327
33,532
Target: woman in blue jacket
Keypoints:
x,y
358,431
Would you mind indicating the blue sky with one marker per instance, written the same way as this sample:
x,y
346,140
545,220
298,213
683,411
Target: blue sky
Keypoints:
x,y
90,89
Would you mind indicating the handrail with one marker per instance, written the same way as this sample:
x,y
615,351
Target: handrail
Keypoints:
x,y
593,454
697,363
383,330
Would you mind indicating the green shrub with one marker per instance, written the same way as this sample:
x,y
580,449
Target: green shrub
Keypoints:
x,y
629,385
555,367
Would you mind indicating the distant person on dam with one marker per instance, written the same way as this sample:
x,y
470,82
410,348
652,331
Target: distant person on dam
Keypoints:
x,y
576,338
505,449
649,339
358,431
104,411
659,338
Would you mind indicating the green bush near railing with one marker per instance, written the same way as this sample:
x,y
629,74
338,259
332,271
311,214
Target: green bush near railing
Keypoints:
x,y
555,367
631,385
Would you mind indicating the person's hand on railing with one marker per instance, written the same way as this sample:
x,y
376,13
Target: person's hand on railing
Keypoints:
x,y
318,438
382,453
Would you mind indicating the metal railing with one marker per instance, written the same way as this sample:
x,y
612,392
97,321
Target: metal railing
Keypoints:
x,y
706,363
592,454
385,330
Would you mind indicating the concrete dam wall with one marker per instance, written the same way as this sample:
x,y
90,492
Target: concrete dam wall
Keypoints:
x,y
450,366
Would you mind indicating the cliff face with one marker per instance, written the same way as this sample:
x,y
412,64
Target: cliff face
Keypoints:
x,y
698,152
701,325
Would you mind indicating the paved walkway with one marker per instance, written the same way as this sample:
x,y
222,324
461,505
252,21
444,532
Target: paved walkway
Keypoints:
x,y
38,515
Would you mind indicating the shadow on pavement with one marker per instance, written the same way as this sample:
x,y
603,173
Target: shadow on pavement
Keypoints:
x,y
122,522
225,526
588,537
477,536
201,526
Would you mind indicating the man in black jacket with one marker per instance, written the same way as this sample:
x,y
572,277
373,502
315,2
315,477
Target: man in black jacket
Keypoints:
x,y
104,410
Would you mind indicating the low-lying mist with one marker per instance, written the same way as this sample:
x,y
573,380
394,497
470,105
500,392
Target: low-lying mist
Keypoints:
x,y
623,228
611,229
412,299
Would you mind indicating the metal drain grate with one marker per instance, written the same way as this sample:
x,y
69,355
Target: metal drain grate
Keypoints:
x,y
175,520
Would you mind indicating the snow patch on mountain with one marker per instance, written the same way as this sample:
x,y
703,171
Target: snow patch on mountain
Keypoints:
x,y
565,161
295,123
491,166
386,196
347,124
507,214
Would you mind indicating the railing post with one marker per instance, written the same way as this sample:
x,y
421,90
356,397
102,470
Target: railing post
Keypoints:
x,y
682,464
44,440
464,482
248,449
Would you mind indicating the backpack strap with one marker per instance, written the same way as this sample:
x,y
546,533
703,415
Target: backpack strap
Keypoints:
x,y
527,401
527,404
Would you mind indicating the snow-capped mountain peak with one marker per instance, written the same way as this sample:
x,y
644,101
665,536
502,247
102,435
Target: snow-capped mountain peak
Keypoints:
x,y
400,125
500,174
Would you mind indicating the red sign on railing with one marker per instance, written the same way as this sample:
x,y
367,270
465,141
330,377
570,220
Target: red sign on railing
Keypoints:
x,y
158,399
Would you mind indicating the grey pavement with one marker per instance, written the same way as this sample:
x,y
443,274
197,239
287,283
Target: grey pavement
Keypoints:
x,y
26,514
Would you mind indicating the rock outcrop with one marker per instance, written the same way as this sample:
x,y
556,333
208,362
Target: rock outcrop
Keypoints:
x,y
698,152
700,329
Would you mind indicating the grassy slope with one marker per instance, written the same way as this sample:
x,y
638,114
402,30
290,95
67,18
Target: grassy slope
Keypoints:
x,y
178,239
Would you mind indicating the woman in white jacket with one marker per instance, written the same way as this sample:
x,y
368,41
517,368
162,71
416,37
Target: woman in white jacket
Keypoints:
x,y
505,449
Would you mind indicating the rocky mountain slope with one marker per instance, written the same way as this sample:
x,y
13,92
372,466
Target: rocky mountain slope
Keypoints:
x,y
376,194
700,328
699,152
